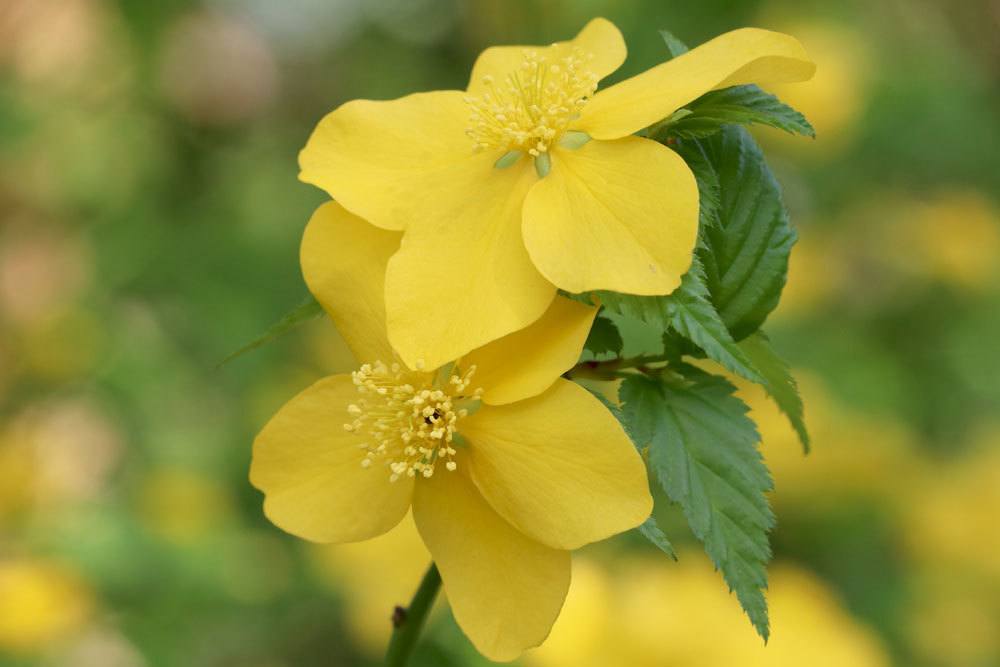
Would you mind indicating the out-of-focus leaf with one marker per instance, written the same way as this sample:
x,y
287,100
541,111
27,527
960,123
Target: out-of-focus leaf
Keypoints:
x,y
305,311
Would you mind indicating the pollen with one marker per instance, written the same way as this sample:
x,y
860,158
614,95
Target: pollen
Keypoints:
x,y
534,105
409,419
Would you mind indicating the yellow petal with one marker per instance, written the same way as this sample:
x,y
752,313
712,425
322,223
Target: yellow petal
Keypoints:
x,y
527,362
615,215
558,466
309,469
382,160
343,261
748,55
600,38
504,589
462,276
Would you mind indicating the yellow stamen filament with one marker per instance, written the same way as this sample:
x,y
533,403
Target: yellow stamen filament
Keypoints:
x,y
534,106
408,422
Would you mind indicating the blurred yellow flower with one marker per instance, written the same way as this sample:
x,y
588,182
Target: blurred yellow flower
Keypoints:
x,y
600,209
895,240
40,603
374,576
850,456
816,273
952,520
652,613
182,505
953,237
835,98
952,541
55,453
503,479
952,617
17,471
64,344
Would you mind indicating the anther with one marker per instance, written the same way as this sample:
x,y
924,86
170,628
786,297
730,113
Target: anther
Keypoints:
x,y
534,105
409,418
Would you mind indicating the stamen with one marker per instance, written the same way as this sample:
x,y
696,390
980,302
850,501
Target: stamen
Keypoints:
x,y
409,418
508,158
543,163
534,106
573,140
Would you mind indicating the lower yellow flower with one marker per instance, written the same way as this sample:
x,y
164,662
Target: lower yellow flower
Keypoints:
x,y
530,180
506,465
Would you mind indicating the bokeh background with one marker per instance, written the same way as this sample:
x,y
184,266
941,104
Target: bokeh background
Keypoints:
x,y
149,223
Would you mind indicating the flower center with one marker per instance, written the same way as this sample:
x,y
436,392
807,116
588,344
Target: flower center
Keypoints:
x,y
533,106
409,418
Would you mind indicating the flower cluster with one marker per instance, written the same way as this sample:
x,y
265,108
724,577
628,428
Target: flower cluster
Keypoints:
x,y
537,465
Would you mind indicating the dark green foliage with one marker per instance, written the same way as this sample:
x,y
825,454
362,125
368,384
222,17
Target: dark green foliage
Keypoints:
x,y
745,255
689,312
604,337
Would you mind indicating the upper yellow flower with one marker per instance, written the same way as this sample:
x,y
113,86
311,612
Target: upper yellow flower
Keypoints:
x,y
507,466
488,236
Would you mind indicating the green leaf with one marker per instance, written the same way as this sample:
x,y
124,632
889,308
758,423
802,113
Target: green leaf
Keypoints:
x,y
604,337
612,408
778,381
649,309
745,255
651,531
305,311
689,312
709,190
703,451
738,105
675,46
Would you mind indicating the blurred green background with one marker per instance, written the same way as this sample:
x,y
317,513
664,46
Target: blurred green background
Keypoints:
x,y
149,223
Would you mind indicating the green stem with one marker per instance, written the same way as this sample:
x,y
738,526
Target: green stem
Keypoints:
x,y
410,621
609,370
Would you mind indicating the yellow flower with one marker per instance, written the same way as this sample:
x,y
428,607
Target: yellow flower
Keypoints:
x,y
41,603
507,466
650,614
487,236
